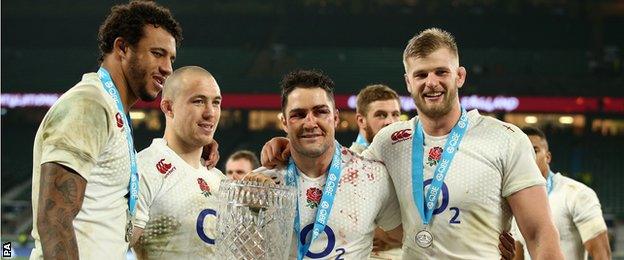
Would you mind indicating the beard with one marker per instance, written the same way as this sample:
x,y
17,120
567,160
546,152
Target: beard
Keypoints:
x,y
369,133
136,80
309,150
436,110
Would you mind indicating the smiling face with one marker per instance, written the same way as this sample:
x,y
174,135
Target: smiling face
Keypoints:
x,y
147,64
196,109
433,82
310,119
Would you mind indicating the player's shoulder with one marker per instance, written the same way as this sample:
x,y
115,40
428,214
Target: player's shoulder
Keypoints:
x,y
397,131
490,126
353,160
572,186
153,160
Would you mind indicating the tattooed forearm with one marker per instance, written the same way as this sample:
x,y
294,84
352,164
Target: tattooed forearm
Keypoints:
x,y
61,191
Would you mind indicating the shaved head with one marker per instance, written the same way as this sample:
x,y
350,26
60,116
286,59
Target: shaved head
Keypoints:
x,y
181,77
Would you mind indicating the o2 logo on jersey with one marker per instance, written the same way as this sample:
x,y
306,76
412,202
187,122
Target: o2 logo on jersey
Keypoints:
x,y
445,201
199,226
331,243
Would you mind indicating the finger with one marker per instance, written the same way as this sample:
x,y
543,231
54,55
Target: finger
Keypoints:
x,y
507,241
505,254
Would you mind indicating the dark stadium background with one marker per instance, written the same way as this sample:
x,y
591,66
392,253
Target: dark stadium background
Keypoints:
x,y
563,57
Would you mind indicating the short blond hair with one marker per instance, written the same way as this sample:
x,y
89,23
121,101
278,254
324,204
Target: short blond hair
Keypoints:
x,y
428,41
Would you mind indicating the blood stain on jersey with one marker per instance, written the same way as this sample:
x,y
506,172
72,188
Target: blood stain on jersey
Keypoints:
x,y
165,168
351,177
435,154
203,186
313,197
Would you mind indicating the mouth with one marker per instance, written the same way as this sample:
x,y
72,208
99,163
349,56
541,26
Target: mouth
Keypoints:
x,y
159,81
206,127
433,95
310,136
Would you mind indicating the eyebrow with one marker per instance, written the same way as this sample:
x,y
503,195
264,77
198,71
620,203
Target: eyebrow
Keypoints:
x,y
304,109
434,69
206,97
173,57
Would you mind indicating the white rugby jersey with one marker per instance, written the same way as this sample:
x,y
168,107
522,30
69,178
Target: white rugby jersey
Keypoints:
x,y
84,131
577,215
394,253
494,160
177,206
364,200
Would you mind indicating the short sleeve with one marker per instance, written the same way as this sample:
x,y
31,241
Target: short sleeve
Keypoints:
x,y
150,183
75,132
374,150
519,169
586,214
389,217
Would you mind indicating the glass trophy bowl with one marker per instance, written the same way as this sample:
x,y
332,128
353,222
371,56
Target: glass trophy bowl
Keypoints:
x,y
254,220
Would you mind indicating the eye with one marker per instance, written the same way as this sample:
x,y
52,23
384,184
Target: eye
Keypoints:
x,y
198,101
157,54
216,102
441,72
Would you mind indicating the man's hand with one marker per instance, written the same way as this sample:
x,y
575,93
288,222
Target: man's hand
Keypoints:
x,y
258,177
275,152
210,154
383,242
506,246
61,192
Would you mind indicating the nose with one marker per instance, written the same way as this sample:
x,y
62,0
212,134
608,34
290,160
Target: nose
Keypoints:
x,y
389,120
431,80
309,121
166,68
209,110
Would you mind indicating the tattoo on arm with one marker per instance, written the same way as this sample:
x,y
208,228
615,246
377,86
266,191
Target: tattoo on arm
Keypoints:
x,y
61,191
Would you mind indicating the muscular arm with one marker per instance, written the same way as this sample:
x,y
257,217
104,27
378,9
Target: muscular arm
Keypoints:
x,y
598,247
532,212
61,191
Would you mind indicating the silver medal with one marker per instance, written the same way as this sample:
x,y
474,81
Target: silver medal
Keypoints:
x,y
129,231
424,238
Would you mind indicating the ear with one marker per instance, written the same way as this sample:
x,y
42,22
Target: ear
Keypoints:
x,y
282,119
361,120
461,76
166,106
336,118
548,157
120,46
407,83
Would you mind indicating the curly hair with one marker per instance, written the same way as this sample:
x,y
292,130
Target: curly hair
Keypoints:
x,y
127,21
306,79
372,93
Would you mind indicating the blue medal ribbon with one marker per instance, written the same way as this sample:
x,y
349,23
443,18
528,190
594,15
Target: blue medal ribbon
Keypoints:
x,y
361,141
327,199
450,149
549,182
133,186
